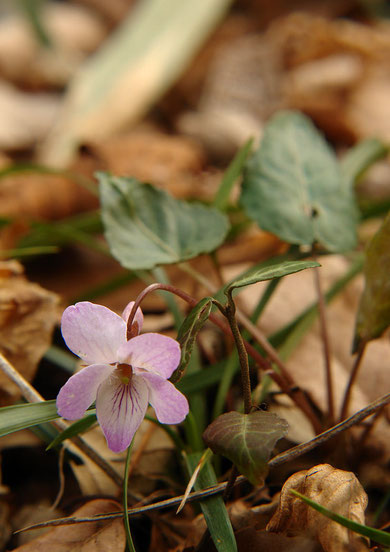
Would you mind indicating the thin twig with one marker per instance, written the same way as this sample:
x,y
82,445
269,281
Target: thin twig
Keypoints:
x,y
326,347
277,460
352,379
32,396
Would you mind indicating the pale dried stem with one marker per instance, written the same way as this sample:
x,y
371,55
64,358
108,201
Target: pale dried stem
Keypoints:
x,y
32,396
352,378
277,460
326,347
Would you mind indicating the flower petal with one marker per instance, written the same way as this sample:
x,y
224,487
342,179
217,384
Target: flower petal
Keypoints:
x,y
139,317
120,410
93,332
80,390
170,405
153,352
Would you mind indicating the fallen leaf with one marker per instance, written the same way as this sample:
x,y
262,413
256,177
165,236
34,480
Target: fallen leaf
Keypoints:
x,y
337,490
28,314
74,31
97,536
250,540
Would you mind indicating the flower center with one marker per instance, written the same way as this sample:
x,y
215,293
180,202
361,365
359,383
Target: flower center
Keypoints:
x,y
124,373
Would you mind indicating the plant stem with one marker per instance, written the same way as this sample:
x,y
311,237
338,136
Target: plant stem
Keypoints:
x,y
352,379
326,347
284,380
277,460
32,396
126,522
242,354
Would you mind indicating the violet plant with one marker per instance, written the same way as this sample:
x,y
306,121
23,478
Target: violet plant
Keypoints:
x,y
123,370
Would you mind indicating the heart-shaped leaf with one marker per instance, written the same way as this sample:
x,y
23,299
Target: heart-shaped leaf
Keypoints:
x,y
293,186
145,226
247,440
374,310
187,333
269,272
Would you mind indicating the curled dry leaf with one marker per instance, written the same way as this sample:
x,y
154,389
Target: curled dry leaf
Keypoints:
x,y
28,314
97,536
337,490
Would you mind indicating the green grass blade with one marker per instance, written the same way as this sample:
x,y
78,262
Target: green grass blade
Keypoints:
x,y
376,535
74,429
230,176
213,508
21,416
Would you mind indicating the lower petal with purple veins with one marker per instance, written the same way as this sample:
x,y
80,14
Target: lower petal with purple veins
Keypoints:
x,y
120,409
170,405
79,392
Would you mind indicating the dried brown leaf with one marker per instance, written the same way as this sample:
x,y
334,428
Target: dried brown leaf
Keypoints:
x,y
337,490
28,314
97,536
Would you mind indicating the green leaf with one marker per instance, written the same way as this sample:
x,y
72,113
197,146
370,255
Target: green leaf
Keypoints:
x,y
247,440
374,310
188,331
20,416
359,158
213,508
374,534
74,429
269,272
145,226
293,186
230,176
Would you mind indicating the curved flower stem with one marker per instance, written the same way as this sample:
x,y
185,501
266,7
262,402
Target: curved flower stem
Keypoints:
x,y
126,522
283,379
352,379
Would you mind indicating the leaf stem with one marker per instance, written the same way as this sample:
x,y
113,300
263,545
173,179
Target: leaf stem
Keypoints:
x,y
126,522
230,310
277,460
326,347
284,380
352,379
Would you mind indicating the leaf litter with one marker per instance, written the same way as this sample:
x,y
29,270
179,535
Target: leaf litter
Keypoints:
x,y
335,71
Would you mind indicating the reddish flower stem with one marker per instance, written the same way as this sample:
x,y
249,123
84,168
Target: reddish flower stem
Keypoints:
x,y
286,385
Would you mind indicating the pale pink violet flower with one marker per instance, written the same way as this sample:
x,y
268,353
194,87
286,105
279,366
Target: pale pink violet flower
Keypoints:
x,y
122,376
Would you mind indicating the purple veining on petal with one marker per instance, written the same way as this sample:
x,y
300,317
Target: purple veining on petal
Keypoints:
x,y
93,332
120,410
152,352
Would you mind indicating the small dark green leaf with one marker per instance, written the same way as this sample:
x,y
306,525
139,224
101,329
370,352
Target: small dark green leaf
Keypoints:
x,y
271,271
213,508
74,429
374,534
146,227
374,310
188,331
247,440
20,416
293,186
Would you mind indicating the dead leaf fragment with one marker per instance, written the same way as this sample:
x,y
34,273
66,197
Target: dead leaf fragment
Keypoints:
x,y
98,536
28,314
337,490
